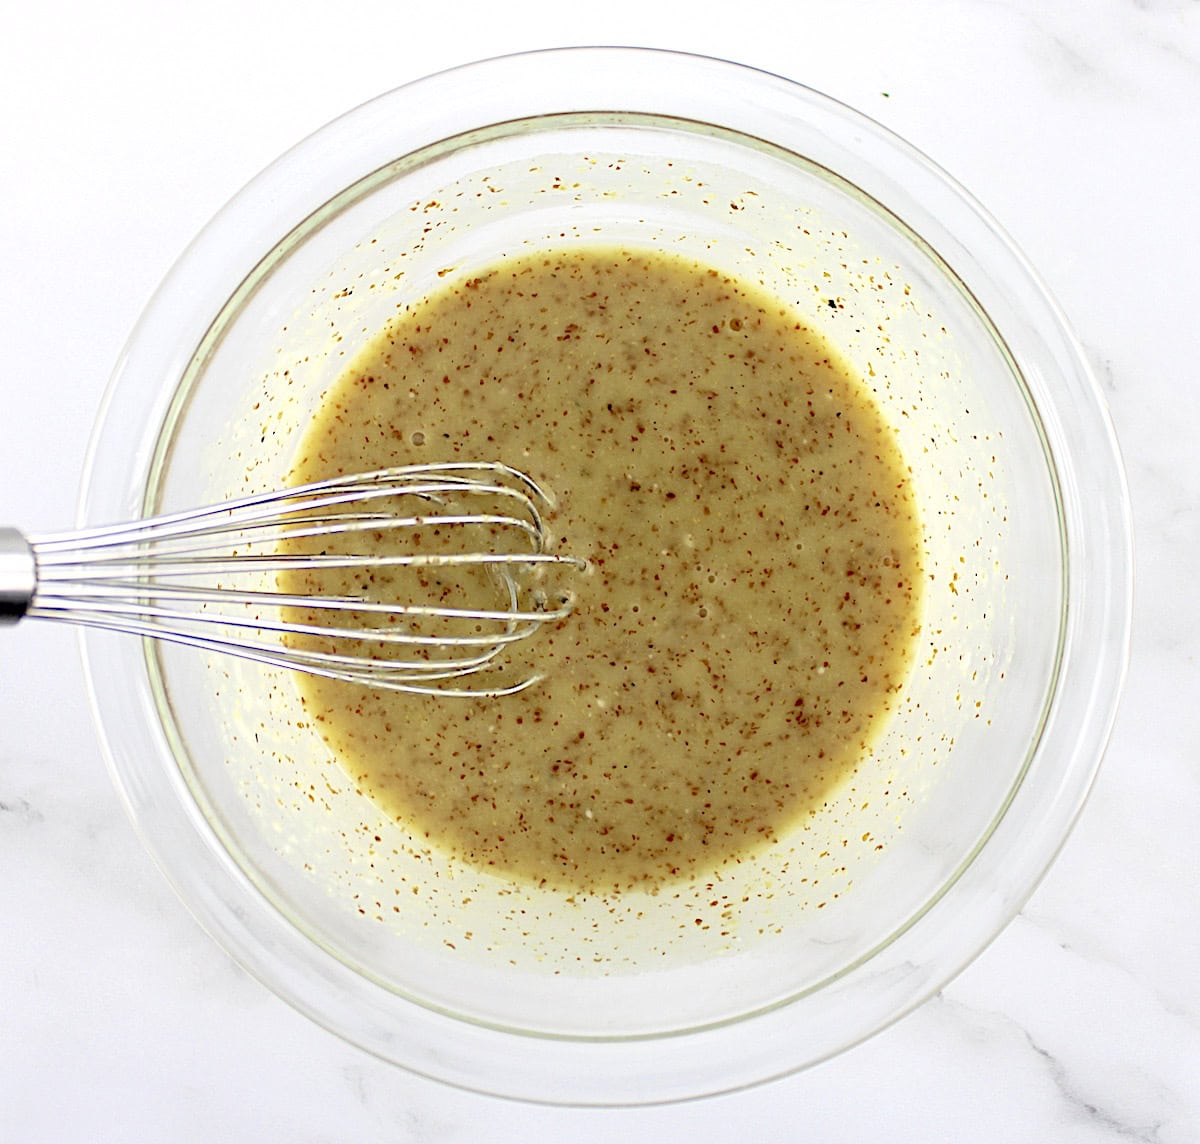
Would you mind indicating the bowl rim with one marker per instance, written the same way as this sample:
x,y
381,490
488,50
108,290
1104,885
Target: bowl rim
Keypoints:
x,y
970,912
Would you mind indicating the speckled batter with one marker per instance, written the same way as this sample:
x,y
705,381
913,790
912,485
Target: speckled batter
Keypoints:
x,y
755,553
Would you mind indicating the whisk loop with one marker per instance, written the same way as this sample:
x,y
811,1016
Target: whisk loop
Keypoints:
x,y
323,578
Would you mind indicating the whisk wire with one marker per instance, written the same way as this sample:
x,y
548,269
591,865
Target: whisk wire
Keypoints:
x,y
137,577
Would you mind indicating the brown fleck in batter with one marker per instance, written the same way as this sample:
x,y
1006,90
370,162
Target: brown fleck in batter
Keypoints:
x,y
755,585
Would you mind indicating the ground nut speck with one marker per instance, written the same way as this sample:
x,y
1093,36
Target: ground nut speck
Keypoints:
x,y
754,595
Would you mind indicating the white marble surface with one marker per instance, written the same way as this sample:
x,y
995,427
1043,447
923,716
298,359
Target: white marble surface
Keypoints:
x,y
123,126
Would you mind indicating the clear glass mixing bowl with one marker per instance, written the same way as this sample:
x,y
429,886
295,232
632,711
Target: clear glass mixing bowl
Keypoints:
x,y
941,834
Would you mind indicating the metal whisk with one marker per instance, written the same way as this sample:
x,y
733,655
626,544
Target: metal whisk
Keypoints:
x,y
320,578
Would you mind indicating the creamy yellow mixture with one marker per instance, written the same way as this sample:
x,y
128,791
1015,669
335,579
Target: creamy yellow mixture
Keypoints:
x,y
754,590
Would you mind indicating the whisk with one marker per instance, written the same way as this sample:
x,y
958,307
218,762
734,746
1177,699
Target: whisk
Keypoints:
x,y
205,577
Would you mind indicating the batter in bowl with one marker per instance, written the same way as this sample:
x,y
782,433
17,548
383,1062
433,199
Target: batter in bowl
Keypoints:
x,y
754,591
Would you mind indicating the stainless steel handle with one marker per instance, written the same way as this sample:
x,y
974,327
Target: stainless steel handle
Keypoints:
x,y
18,575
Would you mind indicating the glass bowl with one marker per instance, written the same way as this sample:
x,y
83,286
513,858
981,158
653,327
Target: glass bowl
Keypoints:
x,y
916,862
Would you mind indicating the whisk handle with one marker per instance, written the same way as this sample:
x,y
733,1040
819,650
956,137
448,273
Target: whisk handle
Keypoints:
x,y
18,575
